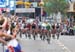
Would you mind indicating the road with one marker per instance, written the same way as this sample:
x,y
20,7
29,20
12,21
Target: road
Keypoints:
x,y
64,44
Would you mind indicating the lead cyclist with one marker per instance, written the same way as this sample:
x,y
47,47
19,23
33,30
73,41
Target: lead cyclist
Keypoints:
x,y
13,45
9,39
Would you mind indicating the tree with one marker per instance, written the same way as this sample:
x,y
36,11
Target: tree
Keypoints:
x,y
55,6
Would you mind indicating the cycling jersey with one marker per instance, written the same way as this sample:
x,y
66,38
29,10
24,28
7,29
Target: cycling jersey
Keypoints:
x,y
33,26
12,27
48,27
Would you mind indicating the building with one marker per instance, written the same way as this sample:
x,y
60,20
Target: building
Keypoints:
x,y
71,12
7,5
28,8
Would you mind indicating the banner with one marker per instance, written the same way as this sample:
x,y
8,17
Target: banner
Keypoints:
x,y
12,5
34,4
2,3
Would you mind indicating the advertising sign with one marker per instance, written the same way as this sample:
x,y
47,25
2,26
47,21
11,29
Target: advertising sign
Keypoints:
x,y
34,4
2,3
12,5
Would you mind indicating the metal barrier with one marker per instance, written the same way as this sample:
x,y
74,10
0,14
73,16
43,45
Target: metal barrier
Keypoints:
x,y
3,48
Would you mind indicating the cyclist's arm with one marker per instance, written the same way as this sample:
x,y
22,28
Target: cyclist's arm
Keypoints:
x,y
14,33
5,22
6,35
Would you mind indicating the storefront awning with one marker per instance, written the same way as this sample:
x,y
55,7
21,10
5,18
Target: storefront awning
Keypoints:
x,y
27,3
25,10
19,2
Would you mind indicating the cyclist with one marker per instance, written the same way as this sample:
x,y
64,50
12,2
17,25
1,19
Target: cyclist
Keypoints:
x,y
3,22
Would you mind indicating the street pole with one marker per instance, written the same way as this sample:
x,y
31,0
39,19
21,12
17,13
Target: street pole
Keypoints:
x,y
41,11
41,14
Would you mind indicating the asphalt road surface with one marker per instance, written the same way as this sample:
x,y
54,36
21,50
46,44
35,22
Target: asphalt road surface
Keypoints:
x,y
64,44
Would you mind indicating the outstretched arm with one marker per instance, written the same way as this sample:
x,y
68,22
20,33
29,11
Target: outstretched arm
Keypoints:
x,y
5,22
3,34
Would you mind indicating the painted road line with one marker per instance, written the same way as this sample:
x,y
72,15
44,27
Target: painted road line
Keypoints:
x,y
62,46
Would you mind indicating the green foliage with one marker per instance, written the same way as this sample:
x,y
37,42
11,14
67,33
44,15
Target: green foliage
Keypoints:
x,y
54,6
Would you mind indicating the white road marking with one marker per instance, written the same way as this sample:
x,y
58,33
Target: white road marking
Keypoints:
x,y
62,46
